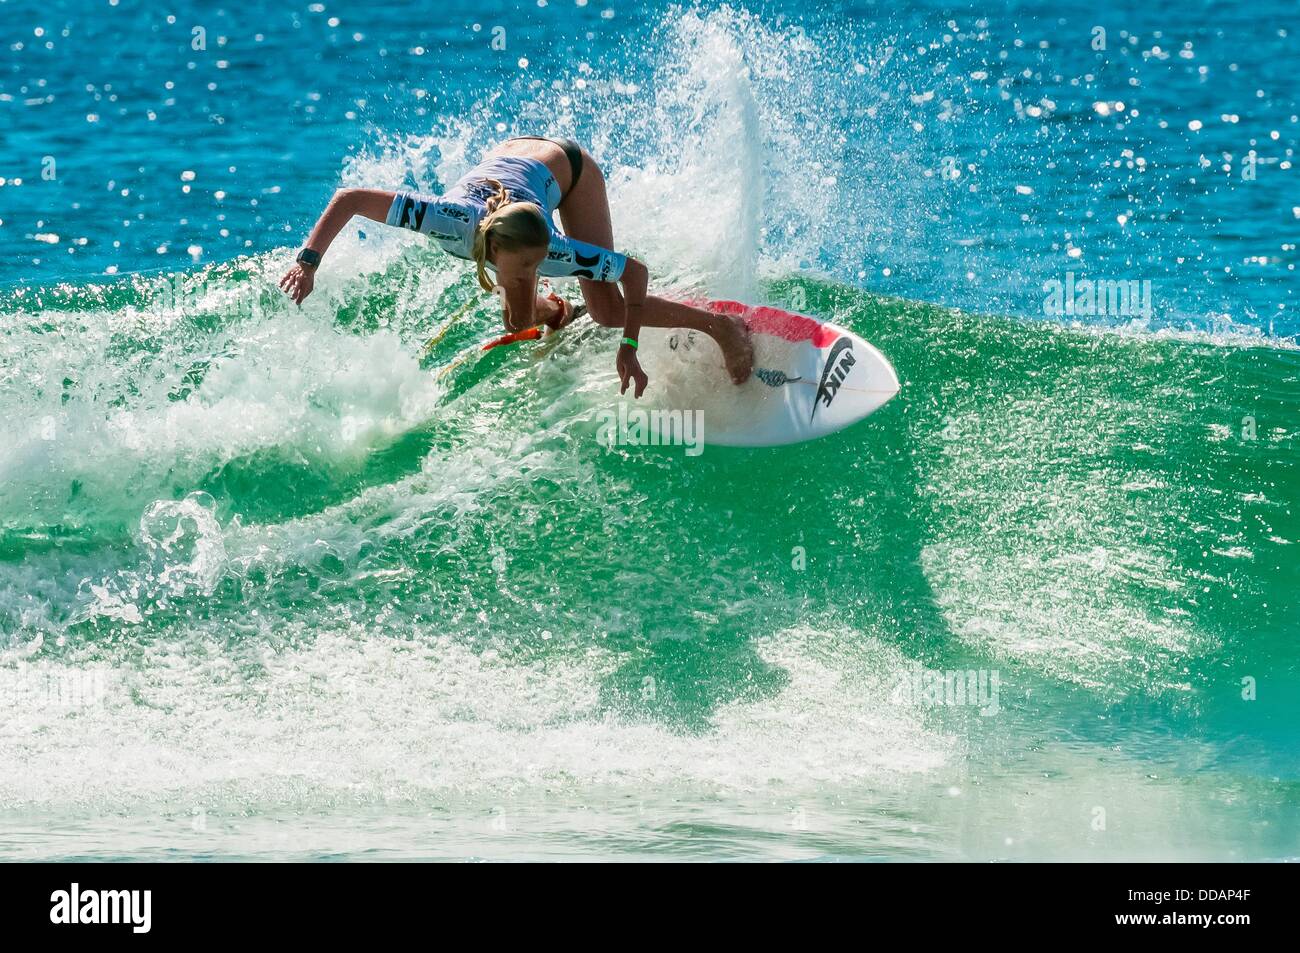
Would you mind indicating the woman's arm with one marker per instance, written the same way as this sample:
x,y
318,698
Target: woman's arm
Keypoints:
x,y
371,203
635,281
518,302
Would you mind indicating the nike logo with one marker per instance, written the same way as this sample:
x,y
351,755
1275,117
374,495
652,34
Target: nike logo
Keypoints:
x,y
838,364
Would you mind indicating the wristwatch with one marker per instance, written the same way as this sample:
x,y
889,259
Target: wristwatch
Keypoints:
x,y
309,258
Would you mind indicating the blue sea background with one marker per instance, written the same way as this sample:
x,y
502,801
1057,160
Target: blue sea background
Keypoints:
x,y
265,117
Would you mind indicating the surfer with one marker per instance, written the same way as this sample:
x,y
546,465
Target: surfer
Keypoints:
x,y
500,216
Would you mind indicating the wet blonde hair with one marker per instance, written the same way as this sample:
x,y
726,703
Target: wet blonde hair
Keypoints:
x,y
512,225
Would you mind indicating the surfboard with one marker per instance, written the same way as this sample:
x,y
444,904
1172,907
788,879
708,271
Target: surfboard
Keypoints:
x,y
811,378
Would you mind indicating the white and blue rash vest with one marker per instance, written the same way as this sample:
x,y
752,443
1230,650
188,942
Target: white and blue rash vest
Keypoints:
x,y
452,219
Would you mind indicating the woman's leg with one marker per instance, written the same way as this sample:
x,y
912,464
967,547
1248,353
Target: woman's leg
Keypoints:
x,y
585,216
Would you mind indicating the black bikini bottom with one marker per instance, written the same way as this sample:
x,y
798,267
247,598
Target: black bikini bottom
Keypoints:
x,y
571,149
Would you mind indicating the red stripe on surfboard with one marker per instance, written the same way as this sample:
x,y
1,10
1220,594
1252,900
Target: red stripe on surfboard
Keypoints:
x,y
774,321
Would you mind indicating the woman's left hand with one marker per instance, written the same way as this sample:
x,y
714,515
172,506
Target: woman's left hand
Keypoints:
x,y
629,370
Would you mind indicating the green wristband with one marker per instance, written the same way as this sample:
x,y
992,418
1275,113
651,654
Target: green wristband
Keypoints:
x,y
630,342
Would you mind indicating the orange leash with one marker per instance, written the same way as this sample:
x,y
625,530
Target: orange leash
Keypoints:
x,y
528,334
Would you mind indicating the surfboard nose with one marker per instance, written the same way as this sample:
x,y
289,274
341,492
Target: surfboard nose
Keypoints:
x,y
883,379
890,380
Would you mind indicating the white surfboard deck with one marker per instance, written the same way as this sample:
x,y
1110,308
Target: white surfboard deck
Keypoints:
x,y
811,378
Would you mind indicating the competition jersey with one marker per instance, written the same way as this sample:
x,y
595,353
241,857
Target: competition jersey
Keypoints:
x,y
452,219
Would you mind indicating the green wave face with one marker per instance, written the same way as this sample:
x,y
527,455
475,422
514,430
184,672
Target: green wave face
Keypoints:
x,y
285,564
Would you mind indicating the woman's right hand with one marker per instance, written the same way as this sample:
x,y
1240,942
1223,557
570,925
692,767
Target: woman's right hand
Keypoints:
x,y
629,371
297,281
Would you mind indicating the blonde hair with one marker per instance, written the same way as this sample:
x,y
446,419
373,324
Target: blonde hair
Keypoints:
x,y
512,225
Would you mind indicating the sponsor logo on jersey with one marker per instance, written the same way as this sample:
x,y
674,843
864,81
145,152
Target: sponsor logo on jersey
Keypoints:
x,y
412,213
451,211
838,364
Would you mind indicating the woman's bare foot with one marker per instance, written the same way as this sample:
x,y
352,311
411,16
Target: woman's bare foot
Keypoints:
x,y
732,335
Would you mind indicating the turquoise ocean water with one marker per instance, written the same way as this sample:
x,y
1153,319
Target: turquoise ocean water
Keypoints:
x,y
276,583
